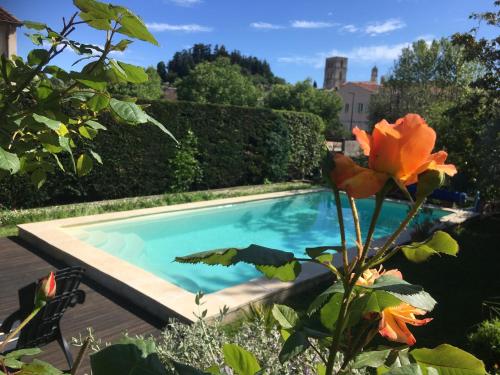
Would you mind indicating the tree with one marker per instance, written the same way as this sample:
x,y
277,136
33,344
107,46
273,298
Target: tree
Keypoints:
x,y
161,68
303,97
218,82
48,114
423,76
184,61
149,90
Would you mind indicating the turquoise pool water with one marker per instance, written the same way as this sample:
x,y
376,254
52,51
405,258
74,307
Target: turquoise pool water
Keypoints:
x,y
290,223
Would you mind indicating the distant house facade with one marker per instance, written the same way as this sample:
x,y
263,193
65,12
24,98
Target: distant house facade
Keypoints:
x,y
355,95
8,39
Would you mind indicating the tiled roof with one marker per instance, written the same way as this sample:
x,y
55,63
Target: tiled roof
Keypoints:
x,y
370,86
8,18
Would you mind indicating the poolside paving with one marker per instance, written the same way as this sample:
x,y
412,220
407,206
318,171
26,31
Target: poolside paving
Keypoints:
x,y
108,316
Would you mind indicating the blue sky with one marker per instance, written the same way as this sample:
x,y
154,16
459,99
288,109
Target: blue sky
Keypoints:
x,y
293,36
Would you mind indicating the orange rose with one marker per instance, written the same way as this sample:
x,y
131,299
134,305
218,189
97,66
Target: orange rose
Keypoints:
x,y
356,181
403,150
370,275
394,319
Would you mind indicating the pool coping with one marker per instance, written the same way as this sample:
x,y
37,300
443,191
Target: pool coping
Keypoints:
x,y
162,298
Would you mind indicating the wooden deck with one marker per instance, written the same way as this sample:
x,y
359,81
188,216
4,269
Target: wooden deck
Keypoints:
x,y
108,316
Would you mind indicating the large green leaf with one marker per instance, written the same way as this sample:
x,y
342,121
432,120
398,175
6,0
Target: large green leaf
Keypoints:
x,y
39,368
223,257
329,313
134,27
38,56
375,358
34,25
440,243
313,252
95,125
321,299
285,316
448,360
134,74
126,359
84,165
128,111
9,161
411,369
287,272
52,124
404,291
98,102
378,300
161,127
240,360
294,345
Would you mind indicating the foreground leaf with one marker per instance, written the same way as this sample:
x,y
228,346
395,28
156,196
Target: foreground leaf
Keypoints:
x,y
9,161
285,316
295,344
374,358
128,111
449,360
440,243
329,313
240,360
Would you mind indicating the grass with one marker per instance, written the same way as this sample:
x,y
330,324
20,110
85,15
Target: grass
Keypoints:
x,y
10,218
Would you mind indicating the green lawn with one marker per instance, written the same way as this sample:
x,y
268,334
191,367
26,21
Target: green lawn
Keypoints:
x,y
10,218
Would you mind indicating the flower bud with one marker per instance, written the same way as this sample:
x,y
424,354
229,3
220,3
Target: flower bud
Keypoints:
x,y
428,181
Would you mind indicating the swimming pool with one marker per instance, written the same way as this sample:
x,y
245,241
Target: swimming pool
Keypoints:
x,y
130,253
289,223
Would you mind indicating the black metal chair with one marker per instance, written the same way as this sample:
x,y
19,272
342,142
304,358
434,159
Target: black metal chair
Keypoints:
x,y
45,326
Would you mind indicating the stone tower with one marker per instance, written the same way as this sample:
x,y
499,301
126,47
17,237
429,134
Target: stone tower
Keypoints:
x,y
335,72
374,76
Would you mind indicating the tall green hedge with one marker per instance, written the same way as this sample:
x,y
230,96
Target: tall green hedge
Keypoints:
x,y
235,146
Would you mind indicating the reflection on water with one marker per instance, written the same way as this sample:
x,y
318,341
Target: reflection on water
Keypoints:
x,y
290,223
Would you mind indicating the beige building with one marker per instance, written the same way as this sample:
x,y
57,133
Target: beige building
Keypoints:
x,y
8,26
355,95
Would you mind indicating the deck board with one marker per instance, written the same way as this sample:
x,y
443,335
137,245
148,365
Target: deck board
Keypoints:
x,y
108,316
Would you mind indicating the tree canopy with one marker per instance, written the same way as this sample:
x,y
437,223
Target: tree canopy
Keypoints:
x,y
218,82
303,97
183,62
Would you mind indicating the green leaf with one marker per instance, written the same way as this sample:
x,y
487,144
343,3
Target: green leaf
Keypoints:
x,y
379,300
96,23
440,243
84,165
223,257
287,272
38,178
39,367
121,45
95,125
52,124
135,28
161,127
38,56
285,316
98,102
240,360
96,85
128,111
133,73
448,360
329,313
96,156
126,359
320,300
96,9
9,161
313,252
34,25
374,358
295,344
16,354
411,369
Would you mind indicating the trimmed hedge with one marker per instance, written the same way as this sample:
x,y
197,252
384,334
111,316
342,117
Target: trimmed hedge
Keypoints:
x,y
235,146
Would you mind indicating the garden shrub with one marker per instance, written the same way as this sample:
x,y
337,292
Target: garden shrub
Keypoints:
x,y
234,146
485,343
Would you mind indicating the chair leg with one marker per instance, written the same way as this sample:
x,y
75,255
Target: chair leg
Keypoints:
x,y
65,348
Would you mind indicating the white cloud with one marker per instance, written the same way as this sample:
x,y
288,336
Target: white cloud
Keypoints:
x,y
265,26
301,24
349,28
186,3
375,53
384,27
187,28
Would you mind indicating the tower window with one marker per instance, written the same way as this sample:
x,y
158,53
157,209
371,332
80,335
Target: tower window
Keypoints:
x,y
346,107
360,107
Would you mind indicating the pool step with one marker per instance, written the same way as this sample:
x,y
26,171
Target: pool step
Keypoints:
x,y
128,246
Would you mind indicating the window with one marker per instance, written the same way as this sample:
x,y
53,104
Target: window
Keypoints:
x,y
346,107
360,107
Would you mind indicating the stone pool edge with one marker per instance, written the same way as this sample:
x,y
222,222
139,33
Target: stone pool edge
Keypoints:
x,y
156,295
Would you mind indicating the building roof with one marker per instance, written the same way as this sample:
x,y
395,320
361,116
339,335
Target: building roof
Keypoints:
x,y
370,86
8,18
